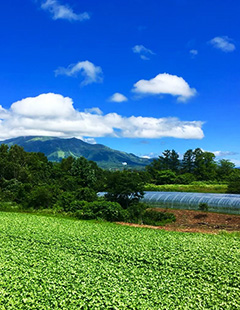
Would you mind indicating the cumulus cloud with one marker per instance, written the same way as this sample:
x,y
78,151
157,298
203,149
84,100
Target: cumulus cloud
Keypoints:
x,y
54,115
45,105
60,11
165,84
117,97
223,43
90,72
143,52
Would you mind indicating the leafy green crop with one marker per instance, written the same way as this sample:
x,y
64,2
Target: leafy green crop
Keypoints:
x,y
57,263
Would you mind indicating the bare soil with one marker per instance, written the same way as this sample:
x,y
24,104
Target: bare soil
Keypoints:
x,y
197,221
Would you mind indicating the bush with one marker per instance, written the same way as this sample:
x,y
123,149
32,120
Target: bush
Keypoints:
x,y
40,197
186,178
153,217
86,193
203,206
166,177
109,211
234,185
65,201
135,212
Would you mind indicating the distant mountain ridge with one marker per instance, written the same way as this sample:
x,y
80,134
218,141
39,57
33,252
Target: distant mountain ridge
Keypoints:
x,y
58,148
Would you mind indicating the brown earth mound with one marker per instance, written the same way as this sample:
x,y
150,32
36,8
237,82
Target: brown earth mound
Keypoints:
x,y
197,221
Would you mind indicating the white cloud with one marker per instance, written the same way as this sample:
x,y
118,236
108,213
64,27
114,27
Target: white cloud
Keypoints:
x,y
193,53
94,111
60,11
150,155
149,127
223,43
90,140
117,97
144,57
90,72
223,153
54,115
143,52
3,113
236,162
165,84
45,105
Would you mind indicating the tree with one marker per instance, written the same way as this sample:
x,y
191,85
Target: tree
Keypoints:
x,y
166,177
188,162
204,165
124,187
84,171
225,169
41,197
234,184
168,161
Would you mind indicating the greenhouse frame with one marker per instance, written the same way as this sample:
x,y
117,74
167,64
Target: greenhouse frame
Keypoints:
x,y
224,203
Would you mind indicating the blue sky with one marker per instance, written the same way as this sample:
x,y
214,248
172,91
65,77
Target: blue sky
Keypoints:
x,y
138,76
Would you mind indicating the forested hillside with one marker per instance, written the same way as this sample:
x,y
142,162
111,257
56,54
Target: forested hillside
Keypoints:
x,y
56,149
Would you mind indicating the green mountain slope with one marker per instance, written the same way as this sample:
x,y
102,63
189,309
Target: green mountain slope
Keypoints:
x,y
56,149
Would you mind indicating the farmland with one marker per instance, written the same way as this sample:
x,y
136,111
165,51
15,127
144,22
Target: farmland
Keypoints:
x,y
59,263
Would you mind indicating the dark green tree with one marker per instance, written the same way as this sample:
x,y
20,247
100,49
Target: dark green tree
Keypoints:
x,y
84,171
205,167
188,162
124,187
225,169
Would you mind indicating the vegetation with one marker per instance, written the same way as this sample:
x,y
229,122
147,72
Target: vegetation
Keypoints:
x,y
196,165
234,185
57,263
153,217
195,187
203,206
31,181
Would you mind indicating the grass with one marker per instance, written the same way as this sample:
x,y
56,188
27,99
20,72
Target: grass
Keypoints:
x,y
58,263
196,187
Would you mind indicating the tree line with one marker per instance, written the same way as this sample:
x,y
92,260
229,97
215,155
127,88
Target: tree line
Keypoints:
x,y
33,182
196,165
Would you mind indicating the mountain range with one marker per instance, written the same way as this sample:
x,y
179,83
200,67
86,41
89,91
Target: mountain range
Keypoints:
x,y
58,148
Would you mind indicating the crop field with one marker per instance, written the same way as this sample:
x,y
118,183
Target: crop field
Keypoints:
x,y
59,263
197,187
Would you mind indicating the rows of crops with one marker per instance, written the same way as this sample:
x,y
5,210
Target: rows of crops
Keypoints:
x,y
56,263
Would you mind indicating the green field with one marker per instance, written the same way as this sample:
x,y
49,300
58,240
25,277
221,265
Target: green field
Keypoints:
x,y
197,187
59,263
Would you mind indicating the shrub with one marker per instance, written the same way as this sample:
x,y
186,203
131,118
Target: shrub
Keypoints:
x,y
166,177
186,178
109,211
234,185
40,197
86,193
203,206
153,217
135,212
65,201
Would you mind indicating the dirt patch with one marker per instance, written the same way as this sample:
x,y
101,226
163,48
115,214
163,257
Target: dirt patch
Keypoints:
x,y
197,221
